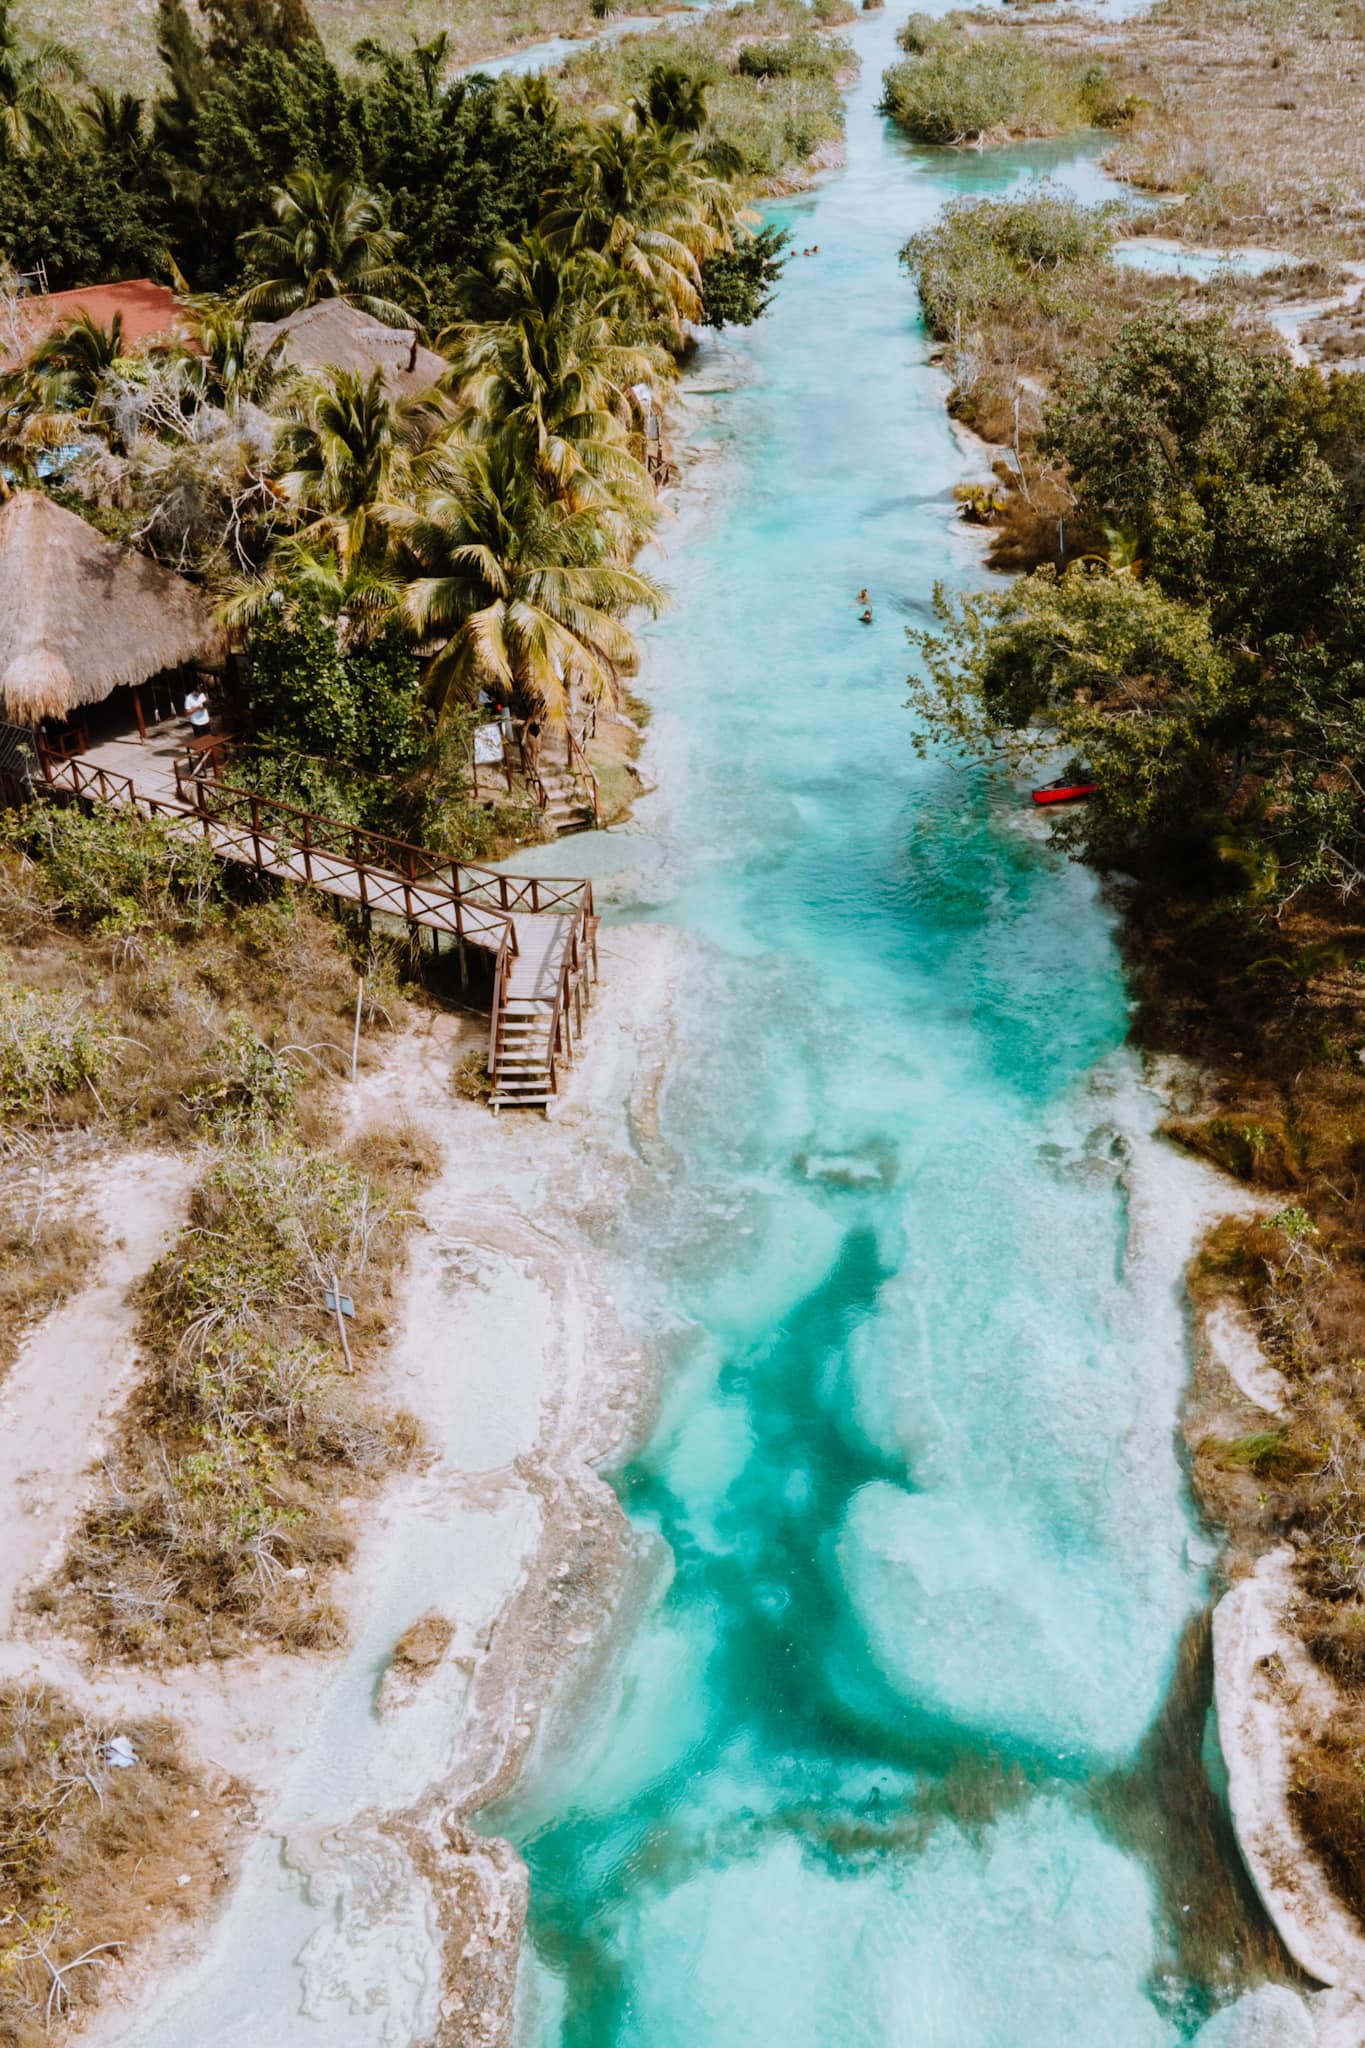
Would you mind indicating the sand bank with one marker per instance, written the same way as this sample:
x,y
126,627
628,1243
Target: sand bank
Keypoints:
x,y
503,1542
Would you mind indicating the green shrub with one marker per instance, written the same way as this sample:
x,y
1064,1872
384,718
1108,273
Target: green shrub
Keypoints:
x,y
738,284
783,59
358,706
985,254
50,1045
250,1088
921,32
113,869
1000,85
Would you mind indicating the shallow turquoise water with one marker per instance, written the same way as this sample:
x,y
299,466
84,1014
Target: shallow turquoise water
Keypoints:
x,y
913,1501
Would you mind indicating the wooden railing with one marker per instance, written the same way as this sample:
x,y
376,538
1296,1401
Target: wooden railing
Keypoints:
x,y
580,766
578,970
475,904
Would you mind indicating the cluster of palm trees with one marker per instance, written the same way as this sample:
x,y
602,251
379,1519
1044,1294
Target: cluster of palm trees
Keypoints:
x,y
496,519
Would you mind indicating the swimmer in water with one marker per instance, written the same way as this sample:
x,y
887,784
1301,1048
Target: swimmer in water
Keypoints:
x,y
865,618
862,597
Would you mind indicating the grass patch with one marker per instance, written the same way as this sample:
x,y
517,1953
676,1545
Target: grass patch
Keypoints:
x,y
151,990
92,1857
220,1518
47,1246
961,84
772,88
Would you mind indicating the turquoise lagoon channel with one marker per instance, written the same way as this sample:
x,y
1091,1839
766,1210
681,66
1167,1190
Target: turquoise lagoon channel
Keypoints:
x,y
894,1755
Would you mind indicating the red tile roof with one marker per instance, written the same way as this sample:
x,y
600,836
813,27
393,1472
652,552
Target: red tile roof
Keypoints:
x,y
150,311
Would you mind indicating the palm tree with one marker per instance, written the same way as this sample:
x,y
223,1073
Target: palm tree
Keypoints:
x,y
330,239
70,367
348,453
429,61
233,372
113,121
28,431
32,111
643,201
522,592
538,362
673,100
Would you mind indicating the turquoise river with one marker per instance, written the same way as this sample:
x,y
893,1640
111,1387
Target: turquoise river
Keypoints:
x,y
875,1769
903,1737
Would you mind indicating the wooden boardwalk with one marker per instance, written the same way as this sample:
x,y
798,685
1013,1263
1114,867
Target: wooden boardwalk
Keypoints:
x,y
540,933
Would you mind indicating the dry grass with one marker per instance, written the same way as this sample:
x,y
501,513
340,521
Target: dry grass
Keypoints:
x,y
1252,115
117,39
211,1013
47,1246
223,1510
93,1859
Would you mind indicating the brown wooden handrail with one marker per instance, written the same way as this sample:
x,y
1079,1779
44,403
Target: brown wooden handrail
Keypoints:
x,y
211,797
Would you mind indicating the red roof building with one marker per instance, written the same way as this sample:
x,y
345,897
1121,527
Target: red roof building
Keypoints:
x,y
151,312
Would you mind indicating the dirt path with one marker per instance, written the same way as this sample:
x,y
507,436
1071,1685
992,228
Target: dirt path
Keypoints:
x,y
74,1370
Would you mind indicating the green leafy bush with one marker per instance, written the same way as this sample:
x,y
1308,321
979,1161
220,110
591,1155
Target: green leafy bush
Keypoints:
x,y
50,1045
113,869
250,1088
359,705
981,255
994,85
737,284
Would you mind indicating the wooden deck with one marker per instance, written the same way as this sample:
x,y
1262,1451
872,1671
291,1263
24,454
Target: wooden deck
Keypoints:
x,y
540,932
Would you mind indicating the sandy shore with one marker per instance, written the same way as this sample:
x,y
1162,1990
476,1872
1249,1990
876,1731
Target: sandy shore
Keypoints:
x,y
511,1351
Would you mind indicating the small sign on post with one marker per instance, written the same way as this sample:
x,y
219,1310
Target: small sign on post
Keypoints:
x,y
341,1306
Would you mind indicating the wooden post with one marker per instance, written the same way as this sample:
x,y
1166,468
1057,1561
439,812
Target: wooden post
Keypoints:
x,y
355,1041
141,721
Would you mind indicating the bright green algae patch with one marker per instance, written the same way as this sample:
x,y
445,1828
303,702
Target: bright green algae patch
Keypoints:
x,y
924,1553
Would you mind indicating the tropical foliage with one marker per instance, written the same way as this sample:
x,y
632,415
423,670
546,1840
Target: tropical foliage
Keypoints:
x,y
960,85
397,555
1204,665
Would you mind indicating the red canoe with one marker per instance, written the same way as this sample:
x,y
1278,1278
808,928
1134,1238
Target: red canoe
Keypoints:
x,y
1064,792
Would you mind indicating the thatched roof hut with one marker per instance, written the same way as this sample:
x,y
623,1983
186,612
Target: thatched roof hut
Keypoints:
x,y
334,335
79,616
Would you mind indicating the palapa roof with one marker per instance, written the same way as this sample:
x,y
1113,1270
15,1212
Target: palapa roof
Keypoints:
x,y
334,335
79,616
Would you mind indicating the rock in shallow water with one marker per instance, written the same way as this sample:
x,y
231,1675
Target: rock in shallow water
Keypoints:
x,y
1270,2017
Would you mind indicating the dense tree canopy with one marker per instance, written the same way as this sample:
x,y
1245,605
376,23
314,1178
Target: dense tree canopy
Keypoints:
x,y
1207,670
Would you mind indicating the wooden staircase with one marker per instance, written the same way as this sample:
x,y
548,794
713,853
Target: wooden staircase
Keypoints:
x,y
541,931
566,808
540,994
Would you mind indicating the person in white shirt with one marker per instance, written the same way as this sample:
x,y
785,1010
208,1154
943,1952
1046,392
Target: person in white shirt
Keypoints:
x,y
197,709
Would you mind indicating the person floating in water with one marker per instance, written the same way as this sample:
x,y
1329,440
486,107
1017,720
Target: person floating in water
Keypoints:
x,y
865,617
863,598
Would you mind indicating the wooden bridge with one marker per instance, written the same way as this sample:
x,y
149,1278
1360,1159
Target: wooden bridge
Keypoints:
x,y
540,934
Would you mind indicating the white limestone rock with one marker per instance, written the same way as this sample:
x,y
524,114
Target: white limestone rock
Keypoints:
x,y
1270,2017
